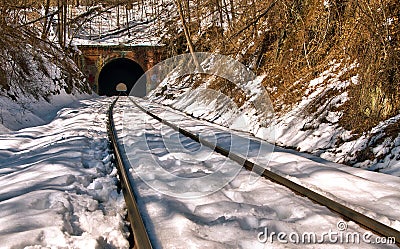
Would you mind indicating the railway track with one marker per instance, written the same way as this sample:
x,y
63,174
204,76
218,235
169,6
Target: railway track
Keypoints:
x,y
140,235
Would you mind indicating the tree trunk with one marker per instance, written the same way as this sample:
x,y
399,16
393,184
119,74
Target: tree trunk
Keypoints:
x,y
127,21
227,13
232,10
187,35
46,12
118,16
219,9
65,15
59,22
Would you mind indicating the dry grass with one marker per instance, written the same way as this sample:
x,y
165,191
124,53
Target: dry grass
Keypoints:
x,y
215,83
303,37
228,89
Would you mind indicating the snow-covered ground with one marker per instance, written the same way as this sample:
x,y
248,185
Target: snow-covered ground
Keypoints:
x,y
183,206
373,194
28,112
58,185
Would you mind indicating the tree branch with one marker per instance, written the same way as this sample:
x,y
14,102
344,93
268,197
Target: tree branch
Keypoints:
x,y
254,21
36,20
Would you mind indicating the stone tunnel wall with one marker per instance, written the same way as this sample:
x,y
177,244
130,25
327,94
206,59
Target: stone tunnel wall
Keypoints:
x,y
94,57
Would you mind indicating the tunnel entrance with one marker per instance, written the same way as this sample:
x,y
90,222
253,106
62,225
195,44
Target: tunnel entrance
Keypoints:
x,y
120,70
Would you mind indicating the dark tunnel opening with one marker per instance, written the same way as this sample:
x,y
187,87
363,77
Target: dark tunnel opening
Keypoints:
x,y
120,70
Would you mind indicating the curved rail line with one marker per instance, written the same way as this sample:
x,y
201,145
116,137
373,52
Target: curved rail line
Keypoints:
x,y
140,234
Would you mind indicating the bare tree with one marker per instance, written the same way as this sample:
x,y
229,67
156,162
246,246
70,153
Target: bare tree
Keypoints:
x,y
187,35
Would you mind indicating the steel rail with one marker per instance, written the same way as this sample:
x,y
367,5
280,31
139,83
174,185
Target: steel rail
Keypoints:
x,y
347,212
140,236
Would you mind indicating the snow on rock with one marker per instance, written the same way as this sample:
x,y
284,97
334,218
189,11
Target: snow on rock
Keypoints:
x,y
58,184
313,132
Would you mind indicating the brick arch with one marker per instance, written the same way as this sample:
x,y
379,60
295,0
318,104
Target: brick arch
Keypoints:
x,y
94,57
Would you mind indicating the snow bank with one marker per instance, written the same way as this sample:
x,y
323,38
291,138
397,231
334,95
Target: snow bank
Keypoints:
x,y
59,184
28,112
311,125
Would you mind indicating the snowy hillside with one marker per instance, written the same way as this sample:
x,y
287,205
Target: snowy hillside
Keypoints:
x,y
36,77
310,125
